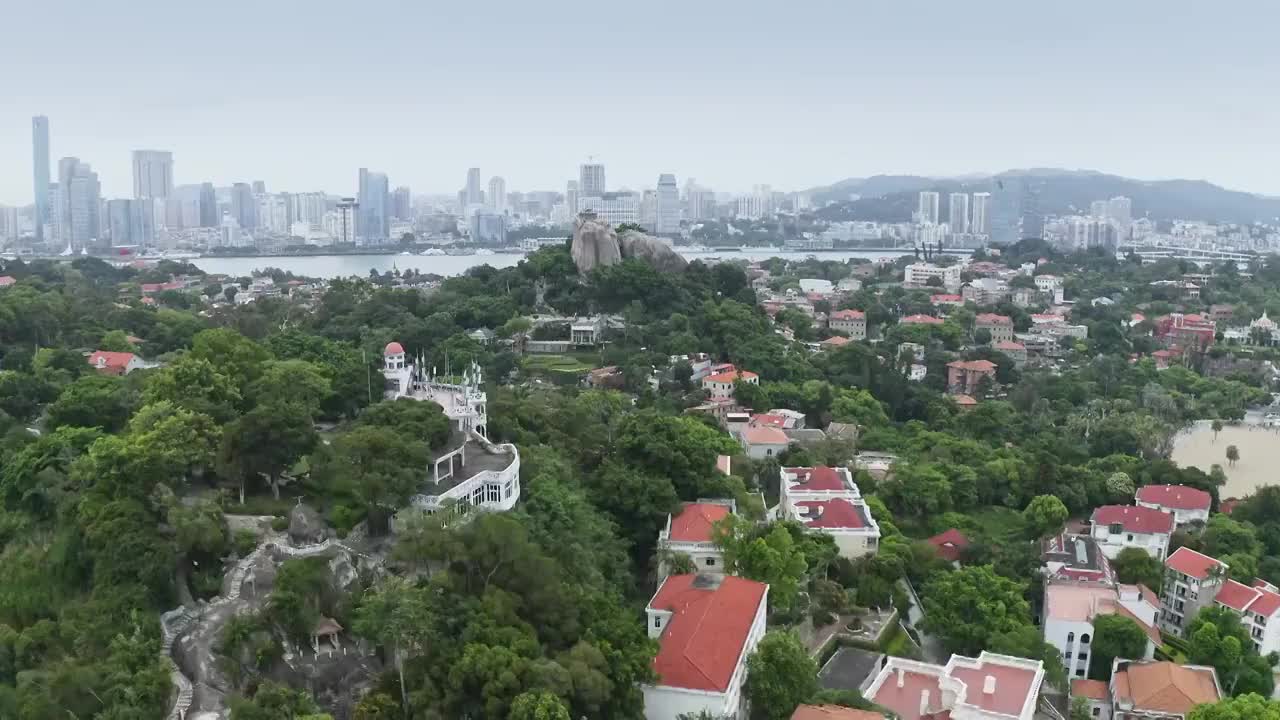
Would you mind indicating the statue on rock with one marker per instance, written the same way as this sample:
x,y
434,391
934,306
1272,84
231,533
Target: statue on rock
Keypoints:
x,y
596,244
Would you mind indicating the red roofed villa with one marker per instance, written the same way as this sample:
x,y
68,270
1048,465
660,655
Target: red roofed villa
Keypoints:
x,y
720,385
690,533
826,499
1000,326
989,687
115,363
949,300
850,322
1194,581
964,376
706,627
1116,527
1187,504
949,545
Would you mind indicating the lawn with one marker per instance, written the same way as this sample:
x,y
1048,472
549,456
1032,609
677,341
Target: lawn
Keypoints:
x,y
558,364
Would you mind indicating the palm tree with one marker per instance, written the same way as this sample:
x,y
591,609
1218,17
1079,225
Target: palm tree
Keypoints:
x,y
1233,455
1217,428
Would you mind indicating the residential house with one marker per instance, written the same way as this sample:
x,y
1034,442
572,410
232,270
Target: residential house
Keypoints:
x,y
834,342
964,403
949,545
1047,283
849,285
1187,504
1016,351
919,274
946,300
1000,326
920,320
825,499
1116,527
706,627
850,322
1195,331
1151,690
1220,312
587,331
1259,610
1075,558
689,532
762,440
988,687
917,372
1191,582
966,376
985,291
1097,696
115,363
1071,607
720,385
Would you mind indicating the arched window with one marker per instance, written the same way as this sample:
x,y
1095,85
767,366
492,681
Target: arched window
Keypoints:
x,y
1071,637
1084,639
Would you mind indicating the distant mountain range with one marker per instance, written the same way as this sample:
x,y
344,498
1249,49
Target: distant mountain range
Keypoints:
x,y
892,198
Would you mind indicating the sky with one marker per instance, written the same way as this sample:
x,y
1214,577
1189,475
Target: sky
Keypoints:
x,y
792,94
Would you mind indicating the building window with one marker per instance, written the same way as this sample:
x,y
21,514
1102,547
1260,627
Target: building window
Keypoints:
x,y
1096,711
1079,672
1084,639
657,622
711,562
1071,637
1130,537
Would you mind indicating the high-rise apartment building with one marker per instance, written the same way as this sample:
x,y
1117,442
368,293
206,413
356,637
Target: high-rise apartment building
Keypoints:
x,y
373,223
244,206
402,204
571,195
700,202
311,207
152,174
1098,209
980,214
84,205
668,205
473,194
928,207
40,172
613,208
591,180
958,213
497,195
130,222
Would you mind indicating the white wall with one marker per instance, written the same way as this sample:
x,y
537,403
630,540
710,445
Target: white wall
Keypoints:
x,y
1155,545
1057,632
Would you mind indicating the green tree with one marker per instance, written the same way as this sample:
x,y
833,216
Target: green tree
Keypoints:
x,y
1243,707
1233,455
1114,636
375,468
1136,566
290,381
1217,428
780,676
1218,638
771,557
1045,515
266,442
967,607
275,702
93,401
116,341
1079,709
538,706
196,385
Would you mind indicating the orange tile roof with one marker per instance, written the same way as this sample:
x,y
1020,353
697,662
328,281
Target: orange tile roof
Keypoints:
x,y
1092,689
833,712
694,522
708,628
730,376
1165,687
1189,562
1179,497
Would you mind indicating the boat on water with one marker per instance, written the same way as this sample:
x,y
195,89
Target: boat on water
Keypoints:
x,y
485,251
433,252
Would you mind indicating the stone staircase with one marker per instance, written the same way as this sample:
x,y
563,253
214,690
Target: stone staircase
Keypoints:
x,y
175,623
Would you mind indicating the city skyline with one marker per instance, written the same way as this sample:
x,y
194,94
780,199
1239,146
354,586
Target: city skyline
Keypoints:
x,y
825,102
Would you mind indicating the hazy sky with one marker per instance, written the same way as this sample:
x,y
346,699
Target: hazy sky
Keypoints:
x,y
793,94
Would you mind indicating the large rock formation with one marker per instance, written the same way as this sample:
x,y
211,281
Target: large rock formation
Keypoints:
x,y
596,244
306,527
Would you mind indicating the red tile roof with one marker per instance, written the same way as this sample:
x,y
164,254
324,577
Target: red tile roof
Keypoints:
x,y
816,479
920,320
1134,518
764,435
836,513
393,348
1092,689
833,712
949,544
1178,497
114,363
836,340
992,319
935,299
1189,562
1010,345
848,315
730,376
7,280
707,631
1014,686
964,400
777,421
694,522
974,365
1236,596
1268,601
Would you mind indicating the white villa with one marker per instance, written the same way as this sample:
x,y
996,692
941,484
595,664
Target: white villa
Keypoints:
x,y
472,472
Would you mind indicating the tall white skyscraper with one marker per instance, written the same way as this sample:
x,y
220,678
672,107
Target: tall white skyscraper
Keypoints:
x,y
497,196
667,220
928,211
40,176
473,194
152,174
1120,209
958,213
84,202
571,194
591,180
980,215
372,218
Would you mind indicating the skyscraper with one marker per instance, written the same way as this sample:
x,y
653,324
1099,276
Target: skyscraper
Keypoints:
x,y
373,218
259,187
958,213
928,210
668,206
497,196
209,215
84,204
402,204
244,206
571,194
130,222
40,171
474,195
980,215
66,168
1031,224
591,180
152,174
